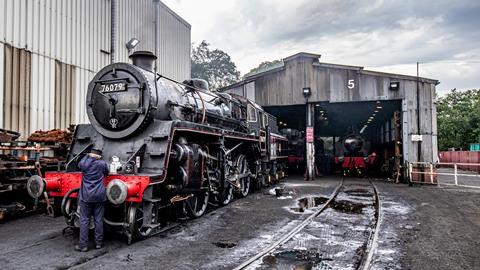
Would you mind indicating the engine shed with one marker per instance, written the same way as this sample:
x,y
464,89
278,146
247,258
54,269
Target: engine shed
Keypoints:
x,y
396,114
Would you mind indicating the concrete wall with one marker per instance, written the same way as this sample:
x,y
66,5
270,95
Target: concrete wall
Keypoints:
x,y
339,83
77,33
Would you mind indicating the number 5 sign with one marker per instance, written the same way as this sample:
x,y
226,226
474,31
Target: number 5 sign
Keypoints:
x,y
351,84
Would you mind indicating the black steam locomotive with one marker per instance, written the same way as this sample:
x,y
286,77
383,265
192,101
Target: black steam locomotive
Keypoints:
x,y
354,161
169,145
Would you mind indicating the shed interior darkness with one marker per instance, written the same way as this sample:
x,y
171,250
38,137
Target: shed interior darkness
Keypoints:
x,y
337,119
333,121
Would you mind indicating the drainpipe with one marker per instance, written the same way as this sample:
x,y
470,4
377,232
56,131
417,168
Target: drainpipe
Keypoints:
x,y
113,30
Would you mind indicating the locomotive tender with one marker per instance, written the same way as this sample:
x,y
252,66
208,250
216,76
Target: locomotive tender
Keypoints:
x,y
171,147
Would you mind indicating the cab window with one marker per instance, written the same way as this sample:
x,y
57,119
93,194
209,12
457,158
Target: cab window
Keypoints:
x,y
251,113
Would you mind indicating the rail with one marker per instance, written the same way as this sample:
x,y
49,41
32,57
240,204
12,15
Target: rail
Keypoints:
x,y
292,233
441,172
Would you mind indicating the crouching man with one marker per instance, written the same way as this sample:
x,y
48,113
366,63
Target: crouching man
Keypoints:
x,y
91,198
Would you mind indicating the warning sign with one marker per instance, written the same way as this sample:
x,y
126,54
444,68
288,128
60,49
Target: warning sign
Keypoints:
x,y
309,135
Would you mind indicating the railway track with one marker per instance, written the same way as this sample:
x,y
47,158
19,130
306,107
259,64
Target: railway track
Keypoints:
x,y
370,244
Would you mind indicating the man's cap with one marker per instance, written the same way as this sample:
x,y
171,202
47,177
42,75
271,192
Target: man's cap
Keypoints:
x,y
96,152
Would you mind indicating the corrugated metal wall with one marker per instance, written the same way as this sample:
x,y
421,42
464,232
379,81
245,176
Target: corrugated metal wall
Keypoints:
x,y
77,33
2,67
64,95
173,36
43,86
16,90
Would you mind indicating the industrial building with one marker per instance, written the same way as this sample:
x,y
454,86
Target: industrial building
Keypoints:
x,y
50,49
396,113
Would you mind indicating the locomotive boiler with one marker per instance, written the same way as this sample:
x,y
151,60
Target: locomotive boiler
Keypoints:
x,y
171,147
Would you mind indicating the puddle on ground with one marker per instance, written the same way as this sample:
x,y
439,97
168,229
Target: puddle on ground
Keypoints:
x,y
309,202
298,259
347,207
224,244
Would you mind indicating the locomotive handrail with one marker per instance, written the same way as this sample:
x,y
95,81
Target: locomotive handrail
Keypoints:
x,y
77,155
113,80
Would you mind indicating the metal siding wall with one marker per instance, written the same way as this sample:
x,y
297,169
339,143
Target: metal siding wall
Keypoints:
x,y
42,96
2,72
83,77
74,32
16,91
64,95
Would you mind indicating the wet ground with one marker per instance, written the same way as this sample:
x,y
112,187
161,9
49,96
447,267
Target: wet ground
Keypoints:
x,y
427,227
335,239
422,228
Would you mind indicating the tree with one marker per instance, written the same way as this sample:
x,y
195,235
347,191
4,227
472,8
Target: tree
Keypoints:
x,y
216,67
458,116
264,66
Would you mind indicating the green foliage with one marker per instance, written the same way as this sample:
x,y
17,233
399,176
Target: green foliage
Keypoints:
x,y
264,66
216,67
458,115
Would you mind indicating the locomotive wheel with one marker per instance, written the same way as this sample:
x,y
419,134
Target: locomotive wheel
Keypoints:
x,y
70,209
242,167
226,196
196,206
135,222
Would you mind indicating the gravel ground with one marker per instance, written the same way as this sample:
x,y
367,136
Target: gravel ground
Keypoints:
x,y
219,240
423,227
427,227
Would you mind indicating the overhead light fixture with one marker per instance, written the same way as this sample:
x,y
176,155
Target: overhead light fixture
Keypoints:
x,y
280,122
363,129
321,111
394,86
375,111
317,105
379,107
307,92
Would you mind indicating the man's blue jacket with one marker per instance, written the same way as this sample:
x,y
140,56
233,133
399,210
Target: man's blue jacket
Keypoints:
x,y
94,172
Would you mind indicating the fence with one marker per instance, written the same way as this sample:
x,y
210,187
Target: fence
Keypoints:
x,y
445,173
464,159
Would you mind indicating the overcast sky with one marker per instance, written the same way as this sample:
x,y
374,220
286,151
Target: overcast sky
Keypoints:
x,y
380,35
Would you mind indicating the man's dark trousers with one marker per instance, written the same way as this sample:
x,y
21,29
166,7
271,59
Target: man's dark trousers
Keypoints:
x,y
88,209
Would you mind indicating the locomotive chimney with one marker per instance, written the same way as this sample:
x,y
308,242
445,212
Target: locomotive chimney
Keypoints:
x,y
143,59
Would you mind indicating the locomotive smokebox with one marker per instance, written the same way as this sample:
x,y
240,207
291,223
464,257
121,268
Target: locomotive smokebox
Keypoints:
x,y
353,143
144,59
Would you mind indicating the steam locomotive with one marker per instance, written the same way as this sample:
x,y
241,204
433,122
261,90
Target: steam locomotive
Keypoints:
x,y
170,146
354,162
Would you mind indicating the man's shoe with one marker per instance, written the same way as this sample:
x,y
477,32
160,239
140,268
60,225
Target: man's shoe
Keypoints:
x,y
81,249
98,246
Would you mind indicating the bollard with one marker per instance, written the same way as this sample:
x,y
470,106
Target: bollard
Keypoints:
x,y
431,173
455,173
410,168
